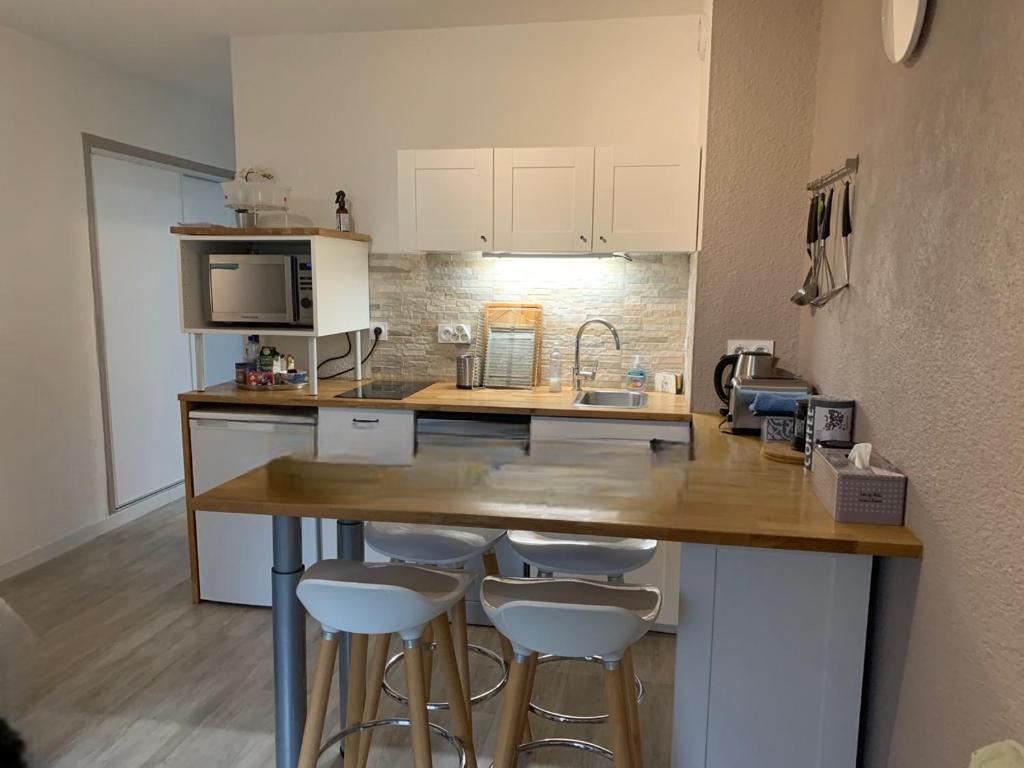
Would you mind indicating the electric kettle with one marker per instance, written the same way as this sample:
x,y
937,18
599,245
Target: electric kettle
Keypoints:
x,y
747,365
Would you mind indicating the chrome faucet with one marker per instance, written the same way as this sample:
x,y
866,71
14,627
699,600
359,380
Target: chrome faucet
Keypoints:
x,y
578,373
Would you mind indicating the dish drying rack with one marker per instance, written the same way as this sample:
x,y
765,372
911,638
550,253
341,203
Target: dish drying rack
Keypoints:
x,y
510,345
256,197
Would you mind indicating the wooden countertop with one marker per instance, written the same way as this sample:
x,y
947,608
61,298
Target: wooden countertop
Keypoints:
x,y
445,396
217,230
727,495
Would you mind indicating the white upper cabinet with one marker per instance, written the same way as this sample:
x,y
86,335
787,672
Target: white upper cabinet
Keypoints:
x,y
544,199
645,198
549,199
446,199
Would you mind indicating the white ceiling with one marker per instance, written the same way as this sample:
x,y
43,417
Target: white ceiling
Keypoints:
x,y
184,43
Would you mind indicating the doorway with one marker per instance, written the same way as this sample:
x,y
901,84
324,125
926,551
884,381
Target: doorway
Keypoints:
x,y
134,197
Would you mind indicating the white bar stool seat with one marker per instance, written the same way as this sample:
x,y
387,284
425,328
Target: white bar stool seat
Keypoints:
x,y
382,599
378,598
581,554
430,544
571,618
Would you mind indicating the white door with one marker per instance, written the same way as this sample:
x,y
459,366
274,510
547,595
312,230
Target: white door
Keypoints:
x,y
544,199
146,356
646,198
203,201
446,199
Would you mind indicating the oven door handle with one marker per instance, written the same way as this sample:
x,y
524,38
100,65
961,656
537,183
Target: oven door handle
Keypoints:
x,y
225,265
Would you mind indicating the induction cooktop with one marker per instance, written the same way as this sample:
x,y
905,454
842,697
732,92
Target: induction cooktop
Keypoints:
x,y
396,389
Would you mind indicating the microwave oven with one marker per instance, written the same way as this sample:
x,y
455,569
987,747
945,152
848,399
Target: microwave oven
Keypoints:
x,y
260,288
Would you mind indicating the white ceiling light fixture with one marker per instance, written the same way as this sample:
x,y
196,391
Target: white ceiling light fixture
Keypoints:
x,y
902,21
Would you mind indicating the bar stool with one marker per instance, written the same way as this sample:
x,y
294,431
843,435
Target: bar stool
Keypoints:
x,y
450,547
382,599
581,555
570,618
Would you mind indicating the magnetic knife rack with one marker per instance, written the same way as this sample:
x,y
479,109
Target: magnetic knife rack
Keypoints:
x,y
847,169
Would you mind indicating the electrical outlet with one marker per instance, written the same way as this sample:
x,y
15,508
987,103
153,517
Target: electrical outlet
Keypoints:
x,y
750,345
383,329
454,333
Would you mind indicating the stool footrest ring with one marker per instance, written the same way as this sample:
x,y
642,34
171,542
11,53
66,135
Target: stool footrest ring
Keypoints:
x,y
434,706
584,746
399,722
560,717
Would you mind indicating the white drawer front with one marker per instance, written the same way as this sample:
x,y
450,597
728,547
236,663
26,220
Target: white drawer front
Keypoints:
x,y
555,428
374,435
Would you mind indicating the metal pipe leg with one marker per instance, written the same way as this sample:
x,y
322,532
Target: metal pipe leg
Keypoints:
x,y
289,641
350,547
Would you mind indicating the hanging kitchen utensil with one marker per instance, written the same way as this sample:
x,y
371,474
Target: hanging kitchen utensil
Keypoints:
x,y
801,296
826,231
847,229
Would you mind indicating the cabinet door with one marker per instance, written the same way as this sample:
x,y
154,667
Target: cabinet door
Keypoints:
x,y
446,199
544,199
645,198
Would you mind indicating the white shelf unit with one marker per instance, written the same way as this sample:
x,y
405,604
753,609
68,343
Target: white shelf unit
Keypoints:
x,y
341,289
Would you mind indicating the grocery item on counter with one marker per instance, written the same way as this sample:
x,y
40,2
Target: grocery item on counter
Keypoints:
x,y
555,371
829,419
259,378
252,349
242,371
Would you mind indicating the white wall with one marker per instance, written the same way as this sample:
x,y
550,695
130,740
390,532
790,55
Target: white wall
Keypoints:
x,y
52,471
328,112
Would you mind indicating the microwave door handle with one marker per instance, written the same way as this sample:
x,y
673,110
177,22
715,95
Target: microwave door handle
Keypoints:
x,y
290,290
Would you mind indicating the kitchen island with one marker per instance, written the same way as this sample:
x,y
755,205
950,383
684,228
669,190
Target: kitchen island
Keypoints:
x,y
770,588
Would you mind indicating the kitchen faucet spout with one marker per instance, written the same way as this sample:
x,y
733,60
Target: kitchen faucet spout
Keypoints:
x,y
578,373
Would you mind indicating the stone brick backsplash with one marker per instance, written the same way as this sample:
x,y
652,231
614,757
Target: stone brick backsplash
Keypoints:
x,y
645,299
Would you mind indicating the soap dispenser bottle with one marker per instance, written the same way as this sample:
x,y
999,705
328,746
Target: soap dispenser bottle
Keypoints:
x,y
636,377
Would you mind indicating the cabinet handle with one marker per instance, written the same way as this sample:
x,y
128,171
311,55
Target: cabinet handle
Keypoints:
x,y
583,238
366,421
483,238
602,239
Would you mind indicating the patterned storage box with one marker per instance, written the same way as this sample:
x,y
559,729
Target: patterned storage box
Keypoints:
x,y
777,429
851,495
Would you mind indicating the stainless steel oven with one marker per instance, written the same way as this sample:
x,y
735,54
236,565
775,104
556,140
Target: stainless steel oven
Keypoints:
x,y
258,288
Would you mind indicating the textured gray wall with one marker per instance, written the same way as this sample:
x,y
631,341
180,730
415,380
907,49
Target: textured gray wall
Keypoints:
x,y
930,342
760,108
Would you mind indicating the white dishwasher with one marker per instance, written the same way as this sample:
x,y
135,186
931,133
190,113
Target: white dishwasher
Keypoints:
x,y
235,550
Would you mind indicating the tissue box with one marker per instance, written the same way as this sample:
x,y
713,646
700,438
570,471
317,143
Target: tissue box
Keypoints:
x,y
851,495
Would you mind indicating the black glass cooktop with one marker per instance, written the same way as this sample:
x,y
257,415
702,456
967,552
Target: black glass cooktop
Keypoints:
x,y
397,389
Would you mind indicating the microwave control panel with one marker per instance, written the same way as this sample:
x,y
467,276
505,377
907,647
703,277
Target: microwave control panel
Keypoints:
x,y
305,292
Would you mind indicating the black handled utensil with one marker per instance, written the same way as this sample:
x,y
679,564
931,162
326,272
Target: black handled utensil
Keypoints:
x,y
847,229
808,289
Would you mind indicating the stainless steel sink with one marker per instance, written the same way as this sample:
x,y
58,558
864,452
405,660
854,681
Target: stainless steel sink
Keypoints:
x,y
604,398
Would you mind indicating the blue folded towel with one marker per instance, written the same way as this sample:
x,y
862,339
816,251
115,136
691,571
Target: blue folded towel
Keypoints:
x,y
771,404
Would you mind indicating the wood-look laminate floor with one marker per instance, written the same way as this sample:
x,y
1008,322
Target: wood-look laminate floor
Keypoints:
x,y
127,673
